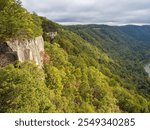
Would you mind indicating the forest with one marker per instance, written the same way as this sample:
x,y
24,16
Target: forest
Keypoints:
x,y
87,68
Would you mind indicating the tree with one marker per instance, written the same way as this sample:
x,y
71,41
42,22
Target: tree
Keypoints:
x,y
22,89
16,22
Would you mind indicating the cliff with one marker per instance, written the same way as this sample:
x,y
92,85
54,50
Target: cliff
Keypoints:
x,y
31,50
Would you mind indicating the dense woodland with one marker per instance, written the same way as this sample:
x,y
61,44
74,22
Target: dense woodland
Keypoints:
x,y
87,68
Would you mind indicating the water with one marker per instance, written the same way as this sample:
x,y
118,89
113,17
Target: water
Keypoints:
x,y
147,69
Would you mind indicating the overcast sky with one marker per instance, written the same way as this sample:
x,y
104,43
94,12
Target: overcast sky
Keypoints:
x,y
92,11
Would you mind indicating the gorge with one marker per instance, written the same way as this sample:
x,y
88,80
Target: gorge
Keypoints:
x,y
85,68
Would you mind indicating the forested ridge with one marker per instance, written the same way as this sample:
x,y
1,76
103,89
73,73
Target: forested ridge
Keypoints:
x,y
87,68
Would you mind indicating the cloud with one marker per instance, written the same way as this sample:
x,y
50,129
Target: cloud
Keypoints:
x,y
92,11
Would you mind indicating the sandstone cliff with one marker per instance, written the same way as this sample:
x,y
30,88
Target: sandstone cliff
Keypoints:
x,y
31,50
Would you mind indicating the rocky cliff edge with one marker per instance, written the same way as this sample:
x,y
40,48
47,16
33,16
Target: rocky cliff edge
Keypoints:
x,y
25,50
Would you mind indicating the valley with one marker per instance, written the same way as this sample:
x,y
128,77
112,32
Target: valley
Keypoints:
x,y
51,68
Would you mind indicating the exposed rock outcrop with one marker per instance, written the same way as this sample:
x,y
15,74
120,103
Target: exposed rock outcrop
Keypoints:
x,y
22,50
50,36
7,55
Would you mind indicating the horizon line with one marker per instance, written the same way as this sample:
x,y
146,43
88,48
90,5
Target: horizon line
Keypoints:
x,y
105,23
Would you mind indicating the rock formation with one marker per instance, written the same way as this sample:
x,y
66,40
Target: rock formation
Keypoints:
x,y
31,50
51,35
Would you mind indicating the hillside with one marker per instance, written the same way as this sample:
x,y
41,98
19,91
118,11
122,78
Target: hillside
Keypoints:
x,y
86,68
125,49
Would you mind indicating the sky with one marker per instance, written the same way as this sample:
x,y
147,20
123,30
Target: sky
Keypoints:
x,y
111,12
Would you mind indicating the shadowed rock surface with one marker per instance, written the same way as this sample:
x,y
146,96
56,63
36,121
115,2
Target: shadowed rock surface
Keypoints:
x,y
7,55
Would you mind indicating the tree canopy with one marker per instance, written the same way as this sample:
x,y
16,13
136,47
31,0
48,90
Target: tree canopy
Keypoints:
x,y
16,22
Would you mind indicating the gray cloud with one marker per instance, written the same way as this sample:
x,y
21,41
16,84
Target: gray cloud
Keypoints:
x,y
92,11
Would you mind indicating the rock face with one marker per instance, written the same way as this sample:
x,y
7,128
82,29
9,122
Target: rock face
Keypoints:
x,y
52,35
31,50
7,55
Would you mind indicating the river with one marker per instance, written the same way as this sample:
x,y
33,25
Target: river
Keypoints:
x,y
147,69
